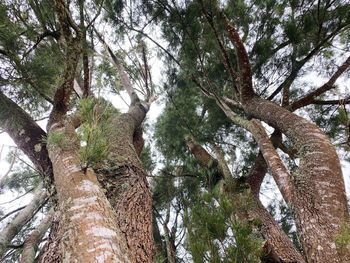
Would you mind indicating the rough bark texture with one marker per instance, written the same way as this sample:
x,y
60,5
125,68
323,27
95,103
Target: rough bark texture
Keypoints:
x,y
126,185
23,217
319,201
278,246
87,230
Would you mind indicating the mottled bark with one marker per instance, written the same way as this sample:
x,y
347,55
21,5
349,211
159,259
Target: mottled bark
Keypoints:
x,y
23,217
319,201
87,230
316,191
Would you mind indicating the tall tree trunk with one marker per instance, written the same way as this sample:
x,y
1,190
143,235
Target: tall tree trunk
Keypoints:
x,y
319,203
126,186
87,230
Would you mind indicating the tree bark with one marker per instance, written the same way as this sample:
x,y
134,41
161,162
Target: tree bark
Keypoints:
x,y
32,242
87,230
319,201
26,133
316,191
126,185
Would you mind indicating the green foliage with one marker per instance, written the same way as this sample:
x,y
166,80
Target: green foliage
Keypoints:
x,y
107,77
215,236
22,180
57,138
96,115
342,239
146,159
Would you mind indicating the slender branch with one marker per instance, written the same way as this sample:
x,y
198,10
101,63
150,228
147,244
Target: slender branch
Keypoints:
x,y
308,99
12,212
245,78
31,244
125,80
12,229
3,178
225,58
299,64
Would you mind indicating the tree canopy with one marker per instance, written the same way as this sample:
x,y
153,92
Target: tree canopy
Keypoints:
x,y
254,99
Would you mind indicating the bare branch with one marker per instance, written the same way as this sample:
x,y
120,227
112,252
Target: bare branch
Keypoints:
x,y
245,78
31,244
125,80
12,229
12,212
307,99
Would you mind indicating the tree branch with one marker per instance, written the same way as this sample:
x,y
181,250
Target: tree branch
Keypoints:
x,y
125,80
26,133
245,78
13,228
31,244
308,99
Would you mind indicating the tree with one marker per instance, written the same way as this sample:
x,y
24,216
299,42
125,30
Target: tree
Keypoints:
x,y
221,65
102,213
205,39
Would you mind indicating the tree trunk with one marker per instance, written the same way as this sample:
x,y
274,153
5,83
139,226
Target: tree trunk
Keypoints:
x,y
87,230
32,242
319,203
126,186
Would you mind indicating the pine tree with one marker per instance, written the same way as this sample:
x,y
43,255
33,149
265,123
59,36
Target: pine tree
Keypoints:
x,y
239,104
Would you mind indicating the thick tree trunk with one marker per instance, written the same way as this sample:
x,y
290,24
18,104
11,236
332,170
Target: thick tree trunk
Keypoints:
x,y
87,230
126,186
319,200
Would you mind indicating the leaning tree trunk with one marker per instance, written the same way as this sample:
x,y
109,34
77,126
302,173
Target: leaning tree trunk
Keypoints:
x,y
319,200
87,230
316,191
126,186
